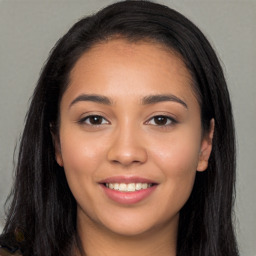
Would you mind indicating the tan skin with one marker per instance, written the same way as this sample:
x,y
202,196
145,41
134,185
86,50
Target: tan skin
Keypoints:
x,y
160,140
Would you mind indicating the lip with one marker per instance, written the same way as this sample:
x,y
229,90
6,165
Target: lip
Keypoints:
x,y
127,179
127,198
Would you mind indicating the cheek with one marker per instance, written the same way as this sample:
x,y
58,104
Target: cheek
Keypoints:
x,y
177,159
81,158
178,153
79,152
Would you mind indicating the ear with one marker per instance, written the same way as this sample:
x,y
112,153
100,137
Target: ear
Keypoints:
x,y
206,149
57,148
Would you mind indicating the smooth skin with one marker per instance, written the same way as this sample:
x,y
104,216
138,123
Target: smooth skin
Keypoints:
x,y
121,132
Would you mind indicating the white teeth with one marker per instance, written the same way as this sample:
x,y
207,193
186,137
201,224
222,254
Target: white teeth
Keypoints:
x,y
130,187
122,187
138,186
144,185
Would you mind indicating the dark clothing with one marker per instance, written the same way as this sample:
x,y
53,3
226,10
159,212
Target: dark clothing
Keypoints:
x,y
4,251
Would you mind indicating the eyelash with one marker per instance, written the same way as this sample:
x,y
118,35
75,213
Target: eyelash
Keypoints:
x,y
169,121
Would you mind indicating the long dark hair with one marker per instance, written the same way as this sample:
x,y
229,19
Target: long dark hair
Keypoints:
x,y
42,215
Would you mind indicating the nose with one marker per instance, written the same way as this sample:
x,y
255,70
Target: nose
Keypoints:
x,y
127,148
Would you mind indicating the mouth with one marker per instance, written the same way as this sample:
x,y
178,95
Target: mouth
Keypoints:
x,y
128,190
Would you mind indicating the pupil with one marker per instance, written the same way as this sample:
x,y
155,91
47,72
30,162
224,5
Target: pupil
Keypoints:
x,y
160,120
95,120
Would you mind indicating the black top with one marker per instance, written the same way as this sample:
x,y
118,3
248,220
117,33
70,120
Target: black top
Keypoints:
x,y
5,251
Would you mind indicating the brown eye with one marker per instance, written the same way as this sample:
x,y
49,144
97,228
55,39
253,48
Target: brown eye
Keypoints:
x,y
161,121
94,120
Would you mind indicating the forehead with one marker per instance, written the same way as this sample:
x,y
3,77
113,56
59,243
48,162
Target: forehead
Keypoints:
x,y
123,51
130,66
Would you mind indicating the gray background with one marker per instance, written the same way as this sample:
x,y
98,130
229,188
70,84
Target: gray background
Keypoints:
x,y
29,29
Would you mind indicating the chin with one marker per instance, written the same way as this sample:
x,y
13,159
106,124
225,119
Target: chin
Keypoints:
x,y
140,225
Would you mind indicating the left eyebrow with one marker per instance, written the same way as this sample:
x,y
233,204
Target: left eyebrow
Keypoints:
x,y
151,99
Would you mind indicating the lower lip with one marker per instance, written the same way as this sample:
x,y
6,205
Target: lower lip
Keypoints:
x,y
128,197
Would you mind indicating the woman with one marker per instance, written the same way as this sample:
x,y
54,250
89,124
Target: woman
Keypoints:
x,y
128,147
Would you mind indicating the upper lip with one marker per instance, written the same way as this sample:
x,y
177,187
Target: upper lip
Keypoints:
x,y
127,179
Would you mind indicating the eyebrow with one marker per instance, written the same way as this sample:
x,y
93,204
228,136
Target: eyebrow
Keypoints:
x,y
152,99
147,100
92,97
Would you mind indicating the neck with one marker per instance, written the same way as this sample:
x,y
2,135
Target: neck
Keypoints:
x,y
97,240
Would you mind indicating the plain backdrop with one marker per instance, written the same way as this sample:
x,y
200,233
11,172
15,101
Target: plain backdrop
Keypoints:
x,y
29,29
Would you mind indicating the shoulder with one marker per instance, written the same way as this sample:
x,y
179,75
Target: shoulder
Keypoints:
x,y
6,252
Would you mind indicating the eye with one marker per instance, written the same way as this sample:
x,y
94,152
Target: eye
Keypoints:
x,y
161,120
94,120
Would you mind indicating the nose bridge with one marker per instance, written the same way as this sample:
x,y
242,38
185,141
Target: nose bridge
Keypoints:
x,y
127,146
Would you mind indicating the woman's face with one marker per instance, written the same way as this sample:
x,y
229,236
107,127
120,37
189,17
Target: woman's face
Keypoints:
x,y
130,137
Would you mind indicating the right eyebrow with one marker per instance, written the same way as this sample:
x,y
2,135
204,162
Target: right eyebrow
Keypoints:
x,y
152,99
92,97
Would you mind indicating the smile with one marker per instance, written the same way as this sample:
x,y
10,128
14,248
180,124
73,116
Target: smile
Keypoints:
x,y
128,190
130,187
